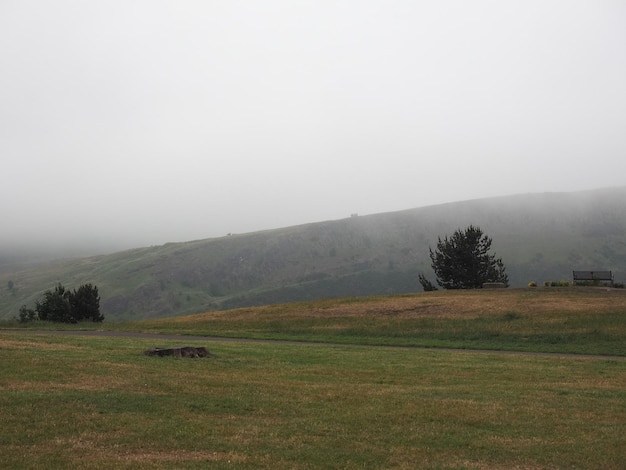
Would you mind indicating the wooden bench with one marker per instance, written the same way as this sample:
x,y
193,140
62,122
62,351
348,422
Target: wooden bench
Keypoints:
x,y
593,276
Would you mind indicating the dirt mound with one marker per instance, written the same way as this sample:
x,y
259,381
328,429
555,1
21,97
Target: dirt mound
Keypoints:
x,y
182,351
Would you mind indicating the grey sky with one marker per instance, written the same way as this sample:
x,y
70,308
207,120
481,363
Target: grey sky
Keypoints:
x,y
155,121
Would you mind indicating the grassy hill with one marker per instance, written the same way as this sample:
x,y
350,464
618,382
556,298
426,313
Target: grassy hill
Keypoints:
x,y
539,237
580,320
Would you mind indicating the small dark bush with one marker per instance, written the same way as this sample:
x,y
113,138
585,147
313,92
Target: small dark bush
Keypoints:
x,y
426,284
556,284
512,316
26,315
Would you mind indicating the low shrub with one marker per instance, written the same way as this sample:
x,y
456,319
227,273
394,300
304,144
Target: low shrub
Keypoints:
x,y
556,284
511,316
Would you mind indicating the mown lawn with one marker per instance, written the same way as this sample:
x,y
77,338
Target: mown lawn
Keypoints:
x,y
91,402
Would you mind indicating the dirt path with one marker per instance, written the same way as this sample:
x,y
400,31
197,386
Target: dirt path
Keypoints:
x,y
185,338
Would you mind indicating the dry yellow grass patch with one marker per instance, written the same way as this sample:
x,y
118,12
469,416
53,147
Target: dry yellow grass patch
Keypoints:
x,y
83,382
6,343
464,463
404,307
549,304
93,447
445,304
156,457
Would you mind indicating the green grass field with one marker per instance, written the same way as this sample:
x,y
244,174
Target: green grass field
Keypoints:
x,y
98,402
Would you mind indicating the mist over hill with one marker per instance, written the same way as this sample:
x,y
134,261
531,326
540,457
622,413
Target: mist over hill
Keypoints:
x,y
538,236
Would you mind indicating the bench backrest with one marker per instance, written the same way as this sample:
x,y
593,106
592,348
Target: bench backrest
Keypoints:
x,y
593,275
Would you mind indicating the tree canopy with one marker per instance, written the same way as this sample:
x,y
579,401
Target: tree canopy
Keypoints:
x,y
65,306
463,261
85,303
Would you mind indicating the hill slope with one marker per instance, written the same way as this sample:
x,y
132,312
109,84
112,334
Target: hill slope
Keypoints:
x,y
539,237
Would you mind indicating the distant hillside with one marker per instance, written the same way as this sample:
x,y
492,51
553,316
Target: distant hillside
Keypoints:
x,y
539,237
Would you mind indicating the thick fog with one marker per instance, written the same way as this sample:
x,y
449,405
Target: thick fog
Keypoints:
x,y
141,122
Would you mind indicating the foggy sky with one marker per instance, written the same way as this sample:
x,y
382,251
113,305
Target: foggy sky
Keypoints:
x,y
156,121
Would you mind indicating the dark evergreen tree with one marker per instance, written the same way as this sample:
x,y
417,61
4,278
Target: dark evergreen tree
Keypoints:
x,y
64,306
463,261
55,306
85,303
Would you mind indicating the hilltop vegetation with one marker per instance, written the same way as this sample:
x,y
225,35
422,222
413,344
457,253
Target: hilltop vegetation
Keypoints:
x,y
538,236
